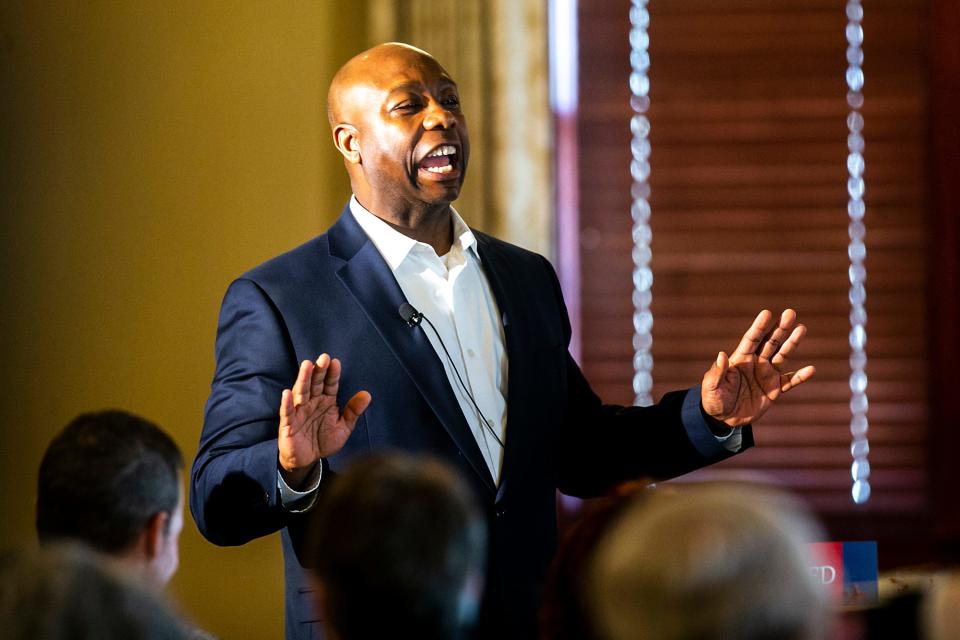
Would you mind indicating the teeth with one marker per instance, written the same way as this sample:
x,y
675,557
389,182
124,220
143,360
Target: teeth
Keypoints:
x,y
447,168
443,150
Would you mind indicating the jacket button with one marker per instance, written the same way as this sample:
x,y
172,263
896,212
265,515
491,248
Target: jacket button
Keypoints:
x,y
499,512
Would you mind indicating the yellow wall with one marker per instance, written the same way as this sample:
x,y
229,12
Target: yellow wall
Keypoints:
x,y
150,152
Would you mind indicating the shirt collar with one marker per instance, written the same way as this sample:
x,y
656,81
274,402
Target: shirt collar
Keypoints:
x,y
395,247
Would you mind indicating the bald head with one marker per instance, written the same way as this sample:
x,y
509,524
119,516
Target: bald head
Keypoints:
x,y
366,68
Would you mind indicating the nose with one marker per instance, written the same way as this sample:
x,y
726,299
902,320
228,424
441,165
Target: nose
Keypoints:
x,y
438,117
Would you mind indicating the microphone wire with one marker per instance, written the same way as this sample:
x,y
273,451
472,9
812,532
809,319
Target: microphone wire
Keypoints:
x,y
414,320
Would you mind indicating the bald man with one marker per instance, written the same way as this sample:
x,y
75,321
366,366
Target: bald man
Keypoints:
x,y
402,328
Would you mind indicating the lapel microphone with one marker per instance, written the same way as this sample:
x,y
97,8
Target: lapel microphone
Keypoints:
x,y
413,318
410,315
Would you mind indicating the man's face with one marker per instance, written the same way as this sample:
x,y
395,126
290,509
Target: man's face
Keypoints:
x,y
412,134
165,563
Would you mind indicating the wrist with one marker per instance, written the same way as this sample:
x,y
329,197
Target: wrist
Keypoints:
x,y
294,476
718,426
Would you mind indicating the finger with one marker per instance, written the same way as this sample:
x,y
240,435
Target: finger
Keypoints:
x,y
355,408
790,345
790,380
331,382
319,372
754,335
773,341
301,388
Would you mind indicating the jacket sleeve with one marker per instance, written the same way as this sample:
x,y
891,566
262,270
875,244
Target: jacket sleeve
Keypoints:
x,y
601,445
234,495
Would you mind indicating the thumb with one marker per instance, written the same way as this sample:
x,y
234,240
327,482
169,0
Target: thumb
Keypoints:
x,y
355,407
713,376
287,411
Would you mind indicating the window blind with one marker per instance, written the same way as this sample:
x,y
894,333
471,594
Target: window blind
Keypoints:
x,y
748,191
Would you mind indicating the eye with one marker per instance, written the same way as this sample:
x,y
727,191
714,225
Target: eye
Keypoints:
x,y
407,105
451,102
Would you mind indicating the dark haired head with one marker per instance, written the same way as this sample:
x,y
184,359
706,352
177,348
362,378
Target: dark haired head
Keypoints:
x,y
403,532
104,477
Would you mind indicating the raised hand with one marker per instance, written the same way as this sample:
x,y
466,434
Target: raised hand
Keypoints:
x,y
739,389
312,426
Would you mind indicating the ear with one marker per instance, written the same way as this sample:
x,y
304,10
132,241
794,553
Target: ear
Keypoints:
x,y
346,139
155,533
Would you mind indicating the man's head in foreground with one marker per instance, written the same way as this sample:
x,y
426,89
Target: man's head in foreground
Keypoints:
x,y
404,533
396,120
722,561
70,591
111,480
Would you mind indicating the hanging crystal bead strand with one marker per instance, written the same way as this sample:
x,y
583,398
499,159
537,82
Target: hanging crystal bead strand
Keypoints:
x,y
640,208
856,250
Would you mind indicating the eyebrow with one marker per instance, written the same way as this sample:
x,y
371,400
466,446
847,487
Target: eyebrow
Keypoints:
x,y
418,86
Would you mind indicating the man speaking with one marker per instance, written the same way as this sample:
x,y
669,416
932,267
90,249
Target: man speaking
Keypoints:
x,y
441,341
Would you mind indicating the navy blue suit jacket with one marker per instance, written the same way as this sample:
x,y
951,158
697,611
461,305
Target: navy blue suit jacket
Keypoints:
x,y
336,294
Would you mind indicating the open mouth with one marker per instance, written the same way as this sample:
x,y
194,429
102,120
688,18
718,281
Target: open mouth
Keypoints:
x,y
440,161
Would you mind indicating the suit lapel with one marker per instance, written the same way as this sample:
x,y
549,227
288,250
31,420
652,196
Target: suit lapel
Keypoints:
x,y
369,279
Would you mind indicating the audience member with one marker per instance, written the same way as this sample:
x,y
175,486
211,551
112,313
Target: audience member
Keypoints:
x,y
708,562
563,614
112,480
404,533
69,592
941,611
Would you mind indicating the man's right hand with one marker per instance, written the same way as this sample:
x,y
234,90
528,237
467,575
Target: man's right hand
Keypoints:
x,y
312,426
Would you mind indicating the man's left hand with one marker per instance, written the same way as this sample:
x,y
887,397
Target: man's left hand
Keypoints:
x,y
738,390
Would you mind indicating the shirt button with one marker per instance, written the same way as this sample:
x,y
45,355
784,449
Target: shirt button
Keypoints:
x,y
471,353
